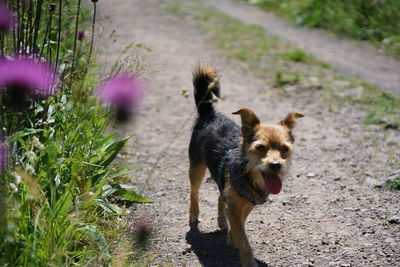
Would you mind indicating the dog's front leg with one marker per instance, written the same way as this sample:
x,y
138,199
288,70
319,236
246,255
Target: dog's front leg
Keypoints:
x,y
237,234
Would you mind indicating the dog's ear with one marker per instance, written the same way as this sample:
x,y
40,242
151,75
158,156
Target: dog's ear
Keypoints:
x,y
249,121
290,121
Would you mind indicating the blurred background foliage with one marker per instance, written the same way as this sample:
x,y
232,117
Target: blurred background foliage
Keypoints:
x,y
373,20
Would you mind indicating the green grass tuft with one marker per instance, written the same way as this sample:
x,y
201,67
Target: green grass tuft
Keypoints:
x,y
297,55
394,184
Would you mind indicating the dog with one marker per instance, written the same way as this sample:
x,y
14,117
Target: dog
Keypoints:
x,y
246,162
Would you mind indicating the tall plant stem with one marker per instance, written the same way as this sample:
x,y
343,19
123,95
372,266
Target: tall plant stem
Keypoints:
x,y
37,24
48,29
28,27
14,34
93,28
59,33
20,16
78,11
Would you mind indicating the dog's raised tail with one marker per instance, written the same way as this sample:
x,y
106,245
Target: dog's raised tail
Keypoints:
x,y
206,83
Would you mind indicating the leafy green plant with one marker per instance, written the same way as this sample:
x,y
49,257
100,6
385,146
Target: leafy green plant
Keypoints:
x,y
57,191
394,184
283,79
68,179
297,55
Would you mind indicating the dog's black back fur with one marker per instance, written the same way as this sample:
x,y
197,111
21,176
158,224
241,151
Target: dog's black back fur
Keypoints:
x,y
213,133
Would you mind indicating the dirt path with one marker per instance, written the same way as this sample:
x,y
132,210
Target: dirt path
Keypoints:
x,y
323,217
350,57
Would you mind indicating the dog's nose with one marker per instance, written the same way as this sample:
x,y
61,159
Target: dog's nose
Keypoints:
x,y
275,166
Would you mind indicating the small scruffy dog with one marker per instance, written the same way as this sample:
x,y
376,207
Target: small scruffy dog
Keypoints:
x,y
247,163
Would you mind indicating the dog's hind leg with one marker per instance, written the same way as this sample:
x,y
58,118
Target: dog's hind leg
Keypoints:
x,y
196,174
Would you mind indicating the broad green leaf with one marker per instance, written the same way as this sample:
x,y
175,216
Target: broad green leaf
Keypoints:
x,y
127,191
97,237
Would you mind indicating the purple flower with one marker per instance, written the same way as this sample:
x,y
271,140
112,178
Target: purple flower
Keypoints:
x,y
123,92
4,154
27,76
81,35
7,19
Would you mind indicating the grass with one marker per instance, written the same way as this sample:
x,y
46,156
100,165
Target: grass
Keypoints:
x,y
56,205
282,79
297,55
281,64
395,183
376,21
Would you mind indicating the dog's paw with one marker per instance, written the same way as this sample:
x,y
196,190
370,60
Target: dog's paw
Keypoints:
x,y
193,220
249,263
230,240
222,223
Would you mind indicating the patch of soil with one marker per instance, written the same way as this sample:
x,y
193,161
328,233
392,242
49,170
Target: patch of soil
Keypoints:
x,y
324,216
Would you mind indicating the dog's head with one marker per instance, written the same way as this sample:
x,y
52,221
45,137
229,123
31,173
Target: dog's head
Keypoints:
x,y
268,148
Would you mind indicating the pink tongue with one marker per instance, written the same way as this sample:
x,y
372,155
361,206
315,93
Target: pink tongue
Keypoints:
x,y
273,183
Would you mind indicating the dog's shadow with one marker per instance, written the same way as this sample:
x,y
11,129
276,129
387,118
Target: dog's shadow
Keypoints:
x,y
212,250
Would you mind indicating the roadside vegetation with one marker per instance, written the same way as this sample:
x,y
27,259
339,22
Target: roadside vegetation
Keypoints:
x,y
376,21
58,179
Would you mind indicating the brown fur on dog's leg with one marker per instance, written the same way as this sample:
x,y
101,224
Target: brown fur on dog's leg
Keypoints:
x,y
239,238
196,174
246,211
222,223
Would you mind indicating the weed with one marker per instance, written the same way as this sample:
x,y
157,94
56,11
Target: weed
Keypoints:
x,y
283,79
297,55
394,184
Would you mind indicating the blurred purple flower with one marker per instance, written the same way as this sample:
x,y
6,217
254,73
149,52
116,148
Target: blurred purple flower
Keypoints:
x,y
7,19
4,154
123,92
81,35
27,76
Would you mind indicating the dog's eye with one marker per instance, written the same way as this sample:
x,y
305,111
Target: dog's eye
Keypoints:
x,y
284,149
261,148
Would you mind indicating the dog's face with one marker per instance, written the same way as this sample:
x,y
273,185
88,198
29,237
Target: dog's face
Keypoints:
x,y
268,148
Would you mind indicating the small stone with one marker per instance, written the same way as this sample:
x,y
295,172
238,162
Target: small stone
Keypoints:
x,y
373,182
187,250
324,242
394,219
368,244
308,264
341,83
345,265
391,125
389,240
313,80
311,175
160,194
